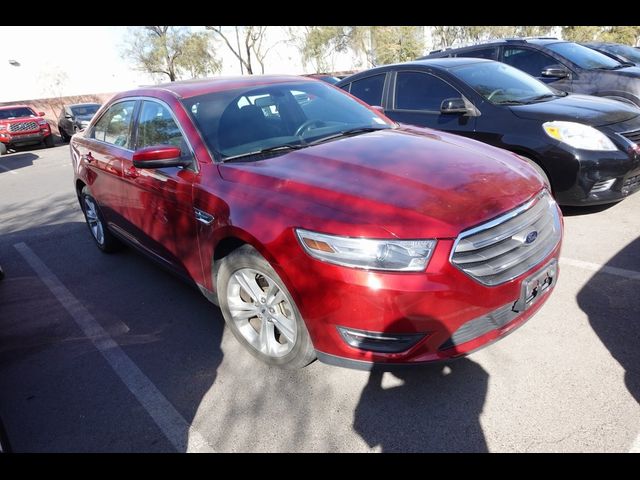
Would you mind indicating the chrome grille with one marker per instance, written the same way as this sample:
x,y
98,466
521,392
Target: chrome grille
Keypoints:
x,y
23,126
506,247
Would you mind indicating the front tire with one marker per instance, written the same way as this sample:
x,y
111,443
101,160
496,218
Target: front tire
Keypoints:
x,y
104,239
3,149
48,141
259,310
64,135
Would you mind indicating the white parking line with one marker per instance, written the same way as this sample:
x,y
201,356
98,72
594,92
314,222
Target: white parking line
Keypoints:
x,y
635,446
12,172
594,267
168,419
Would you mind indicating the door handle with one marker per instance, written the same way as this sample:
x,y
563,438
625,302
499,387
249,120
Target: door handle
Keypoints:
x,y
88,157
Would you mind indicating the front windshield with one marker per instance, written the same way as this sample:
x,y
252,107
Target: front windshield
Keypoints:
x,y
584,57
630,53
293,115
85,110
503,84
16,112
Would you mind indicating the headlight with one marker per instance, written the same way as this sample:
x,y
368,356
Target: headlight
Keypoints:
x,y
41,121
392,255
578,135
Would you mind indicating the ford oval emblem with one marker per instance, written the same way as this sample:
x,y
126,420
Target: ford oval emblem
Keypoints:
x,y
531,237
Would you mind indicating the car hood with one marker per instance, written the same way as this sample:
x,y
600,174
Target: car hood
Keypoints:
x,y
83,118
587,109
409,182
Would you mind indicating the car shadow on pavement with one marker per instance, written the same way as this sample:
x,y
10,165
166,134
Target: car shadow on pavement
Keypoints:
x,y
424,408
16,161
612,303
163,324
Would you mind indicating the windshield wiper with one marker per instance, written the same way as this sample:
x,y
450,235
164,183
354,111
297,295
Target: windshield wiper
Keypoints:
x,y
538,97
346,133
509,102
277,148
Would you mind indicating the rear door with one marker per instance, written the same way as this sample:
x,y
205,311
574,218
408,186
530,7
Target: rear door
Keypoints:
x,y
103,151
159,204
416,99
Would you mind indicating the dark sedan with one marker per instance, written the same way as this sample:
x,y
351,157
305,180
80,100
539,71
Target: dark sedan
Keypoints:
x,y
566,66
74,118
617,51
586,146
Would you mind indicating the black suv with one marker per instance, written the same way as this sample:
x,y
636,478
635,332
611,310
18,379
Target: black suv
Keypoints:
x,y
74,118
587,147
566,66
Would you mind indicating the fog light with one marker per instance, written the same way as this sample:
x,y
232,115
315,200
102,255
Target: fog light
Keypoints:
x,y
379,342
602,185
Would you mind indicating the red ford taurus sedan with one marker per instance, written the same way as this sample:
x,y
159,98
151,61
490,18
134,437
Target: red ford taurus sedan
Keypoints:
x,y
321,228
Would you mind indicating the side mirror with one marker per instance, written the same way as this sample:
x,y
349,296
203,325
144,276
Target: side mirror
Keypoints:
x,y
41,114
555,71
66,115
158,156
378,108
454,105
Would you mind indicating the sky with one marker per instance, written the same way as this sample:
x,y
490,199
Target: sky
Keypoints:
x,y
75,60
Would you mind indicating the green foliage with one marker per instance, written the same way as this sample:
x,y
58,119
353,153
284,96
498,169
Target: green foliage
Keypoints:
x,y
626,34
450,36
582,33
171,51
396,44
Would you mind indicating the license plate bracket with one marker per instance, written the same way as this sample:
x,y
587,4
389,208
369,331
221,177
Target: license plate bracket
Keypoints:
x,y
536,286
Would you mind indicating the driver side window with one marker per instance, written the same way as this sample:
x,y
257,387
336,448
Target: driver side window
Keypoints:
x,y
422,91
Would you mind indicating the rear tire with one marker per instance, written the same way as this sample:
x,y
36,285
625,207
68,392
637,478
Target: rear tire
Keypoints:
x,y
104,239
259,310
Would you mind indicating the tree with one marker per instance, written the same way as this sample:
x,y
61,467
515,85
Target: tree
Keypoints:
x,y
581,33
449,36
627,34
171,51
318,44
253,45
396,44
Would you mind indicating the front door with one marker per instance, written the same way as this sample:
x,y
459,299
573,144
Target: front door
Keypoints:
x,y
159,200
417,99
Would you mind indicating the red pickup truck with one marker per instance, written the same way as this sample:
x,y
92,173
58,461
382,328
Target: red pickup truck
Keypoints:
x,y
20,125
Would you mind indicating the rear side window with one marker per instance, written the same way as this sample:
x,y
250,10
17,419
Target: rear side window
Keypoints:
x,y
421,91
369,89
489,53
115,125
527,60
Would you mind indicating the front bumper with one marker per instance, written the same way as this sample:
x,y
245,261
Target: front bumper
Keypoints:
x,y
433,305
594,178
27,138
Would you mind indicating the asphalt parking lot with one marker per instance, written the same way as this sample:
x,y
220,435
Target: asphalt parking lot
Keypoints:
x,y
111,353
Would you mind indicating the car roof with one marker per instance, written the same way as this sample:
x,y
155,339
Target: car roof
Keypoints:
x,y
82,104
541,41
201,86
444,63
